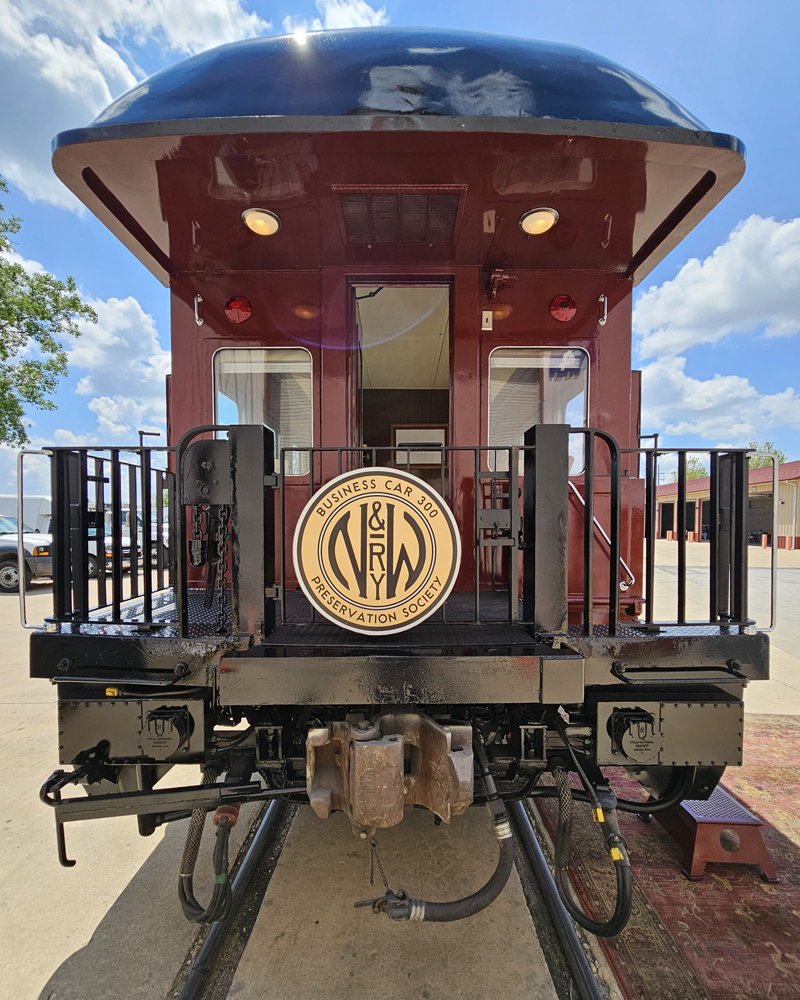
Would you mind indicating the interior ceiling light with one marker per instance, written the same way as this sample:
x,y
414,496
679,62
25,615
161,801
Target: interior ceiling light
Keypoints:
x,y
261,221
538,220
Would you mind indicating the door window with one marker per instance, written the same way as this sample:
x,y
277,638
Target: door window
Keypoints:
x,y
269,386
536,385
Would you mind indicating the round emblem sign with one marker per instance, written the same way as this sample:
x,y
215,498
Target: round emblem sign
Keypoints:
x,y
376,551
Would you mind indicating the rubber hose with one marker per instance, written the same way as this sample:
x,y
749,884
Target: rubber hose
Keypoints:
x,y
678,793
241,769
624,899
418,909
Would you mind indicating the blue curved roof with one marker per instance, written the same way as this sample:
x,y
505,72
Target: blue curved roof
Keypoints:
x,y
411,71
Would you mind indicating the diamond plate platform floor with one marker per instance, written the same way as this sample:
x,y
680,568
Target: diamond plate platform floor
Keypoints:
x,y
309,941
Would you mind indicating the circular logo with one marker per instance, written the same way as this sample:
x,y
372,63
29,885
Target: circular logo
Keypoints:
x,y
376,551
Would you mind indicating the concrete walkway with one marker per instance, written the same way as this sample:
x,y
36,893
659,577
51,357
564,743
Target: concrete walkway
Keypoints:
x,y
781,694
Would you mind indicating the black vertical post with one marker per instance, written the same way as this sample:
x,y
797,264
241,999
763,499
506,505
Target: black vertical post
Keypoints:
x,y
173,512
725,534
62,576
116,535
252,530
133,529
147,546
740,490
545,519
100,529
160,529
613,533
588,533
477,501
79,531
282,526
714,567
513,525
681,537
650,529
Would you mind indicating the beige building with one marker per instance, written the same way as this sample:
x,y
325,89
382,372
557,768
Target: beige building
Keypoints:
x,y
698,506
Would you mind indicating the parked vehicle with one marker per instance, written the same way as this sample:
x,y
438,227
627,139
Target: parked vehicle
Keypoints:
x,y
36,510
38,557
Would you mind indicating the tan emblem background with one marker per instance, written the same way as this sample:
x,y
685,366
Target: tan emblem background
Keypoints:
x,y
376,550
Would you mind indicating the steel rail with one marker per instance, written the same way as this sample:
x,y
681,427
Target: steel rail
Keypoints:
x,y
204,962
567,935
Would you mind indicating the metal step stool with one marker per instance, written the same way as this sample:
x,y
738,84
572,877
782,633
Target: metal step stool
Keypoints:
x,y
719,829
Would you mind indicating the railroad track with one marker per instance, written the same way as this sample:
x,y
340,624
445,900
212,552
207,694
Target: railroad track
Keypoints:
x,y
208,971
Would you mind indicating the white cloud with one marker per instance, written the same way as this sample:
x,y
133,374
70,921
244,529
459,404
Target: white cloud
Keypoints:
x,y
125,367
750,283
725,407
338,14
122,368
350,14
752,280
63,61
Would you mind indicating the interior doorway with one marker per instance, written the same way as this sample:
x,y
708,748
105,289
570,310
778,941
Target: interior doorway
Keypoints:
x,y
403,337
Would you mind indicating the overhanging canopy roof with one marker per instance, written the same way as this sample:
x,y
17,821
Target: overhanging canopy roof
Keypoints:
x,y
274,122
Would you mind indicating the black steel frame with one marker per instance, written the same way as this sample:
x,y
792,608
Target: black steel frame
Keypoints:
x,y
72,472
239,470
729,483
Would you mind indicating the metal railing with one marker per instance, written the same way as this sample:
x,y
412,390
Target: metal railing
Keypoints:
x,y
96,494
518,526
728,491
533,525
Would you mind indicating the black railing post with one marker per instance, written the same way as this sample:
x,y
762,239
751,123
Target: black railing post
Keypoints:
x,y
614,527
133,529
116,535
714,581
147,545
62,561
100,529
741,475
681,537
546,515
650,531
588,533
252,530
725,521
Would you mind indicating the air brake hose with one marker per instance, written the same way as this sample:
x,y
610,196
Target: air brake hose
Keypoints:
x,y
224,819
615,843
399,906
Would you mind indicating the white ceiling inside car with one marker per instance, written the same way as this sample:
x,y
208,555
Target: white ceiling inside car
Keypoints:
x,y
404,334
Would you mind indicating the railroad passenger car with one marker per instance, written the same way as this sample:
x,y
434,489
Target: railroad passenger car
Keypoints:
x,y
399,548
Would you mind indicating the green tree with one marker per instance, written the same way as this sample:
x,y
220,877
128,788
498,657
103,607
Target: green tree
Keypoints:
x,y
35,310
694,469
770,449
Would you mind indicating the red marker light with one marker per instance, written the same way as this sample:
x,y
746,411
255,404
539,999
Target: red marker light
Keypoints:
x,y
238,309
563,308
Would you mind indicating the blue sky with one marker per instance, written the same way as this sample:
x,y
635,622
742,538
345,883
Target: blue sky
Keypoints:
x,y
716,323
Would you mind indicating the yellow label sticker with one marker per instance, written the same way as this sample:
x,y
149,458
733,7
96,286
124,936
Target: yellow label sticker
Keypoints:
x,y
616,854
112,692
377,551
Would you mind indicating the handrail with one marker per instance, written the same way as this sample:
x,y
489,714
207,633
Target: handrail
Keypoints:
x,y
773,590
23,614
623,585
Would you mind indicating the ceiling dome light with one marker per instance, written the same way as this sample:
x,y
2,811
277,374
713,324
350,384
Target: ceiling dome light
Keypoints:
x,y
261,221
538,220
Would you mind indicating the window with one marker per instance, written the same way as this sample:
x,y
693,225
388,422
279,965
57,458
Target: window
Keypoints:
x,y
272,387
536,385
